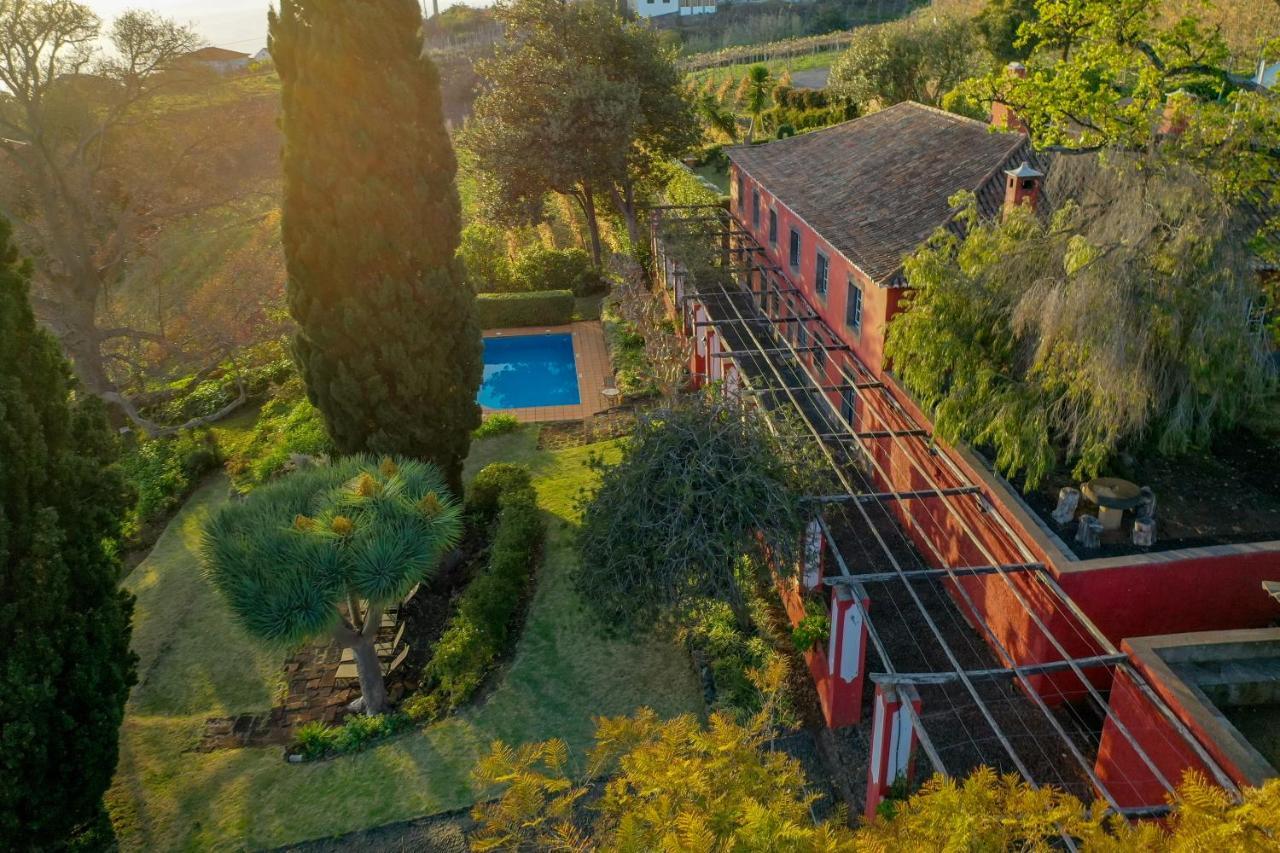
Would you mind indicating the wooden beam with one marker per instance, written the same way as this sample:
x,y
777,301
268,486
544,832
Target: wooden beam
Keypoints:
x,y
930,574
1029,669
897,496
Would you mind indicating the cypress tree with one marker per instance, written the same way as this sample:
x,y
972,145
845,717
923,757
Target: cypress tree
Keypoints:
x,y
65,668
388,343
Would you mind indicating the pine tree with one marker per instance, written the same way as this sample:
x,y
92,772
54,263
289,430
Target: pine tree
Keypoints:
x,y
64,624
388,342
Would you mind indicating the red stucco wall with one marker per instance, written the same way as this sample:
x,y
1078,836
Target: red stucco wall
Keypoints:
x,y
1205,590
869,341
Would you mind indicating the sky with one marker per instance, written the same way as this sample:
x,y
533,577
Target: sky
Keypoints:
x,y
233,24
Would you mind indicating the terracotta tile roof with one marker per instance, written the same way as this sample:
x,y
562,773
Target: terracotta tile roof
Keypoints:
x,y
877,187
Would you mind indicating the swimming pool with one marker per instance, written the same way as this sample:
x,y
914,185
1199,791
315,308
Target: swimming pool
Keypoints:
x,y
529,370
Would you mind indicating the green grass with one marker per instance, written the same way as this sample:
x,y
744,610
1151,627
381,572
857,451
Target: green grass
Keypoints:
x,y
805,62
197,663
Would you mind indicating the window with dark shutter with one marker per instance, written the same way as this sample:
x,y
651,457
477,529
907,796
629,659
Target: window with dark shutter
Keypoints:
x,y
773,227
794,255
853,308
848,399
820,275
755,208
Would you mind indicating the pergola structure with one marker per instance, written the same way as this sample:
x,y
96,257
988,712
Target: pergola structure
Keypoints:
x,y
909,608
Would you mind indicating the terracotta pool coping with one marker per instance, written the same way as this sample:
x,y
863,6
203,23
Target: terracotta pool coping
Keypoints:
x,y
591,359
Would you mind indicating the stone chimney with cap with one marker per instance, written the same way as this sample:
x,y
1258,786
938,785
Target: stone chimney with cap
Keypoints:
x,y
1003,116
1022,186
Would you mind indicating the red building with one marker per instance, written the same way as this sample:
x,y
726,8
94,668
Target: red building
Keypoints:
x,y
955,606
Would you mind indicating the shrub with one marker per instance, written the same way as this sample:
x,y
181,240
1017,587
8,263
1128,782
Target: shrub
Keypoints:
x,y
535,308
288,424
499,424
814,629
163,472
541,268
484,253
319,740
480,629
685,187
314,740
492,483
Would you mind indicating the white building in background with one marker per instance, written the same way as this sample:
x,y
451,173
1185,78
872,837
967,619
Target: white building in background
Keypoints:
x,y
657,8
697,7
1268,75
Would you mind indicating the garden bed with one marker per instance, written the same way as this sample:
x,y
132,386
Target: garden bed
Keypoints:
x,y
1226,495
315,694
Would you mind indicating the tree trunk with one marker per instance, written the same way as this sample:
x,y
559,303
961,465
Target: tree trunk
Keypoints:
x,y
372,688
625,201
77,328
588,200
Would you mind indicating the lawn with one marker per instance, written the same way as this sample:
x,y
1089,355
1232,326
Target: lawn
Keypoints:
x,y
804,62
195,663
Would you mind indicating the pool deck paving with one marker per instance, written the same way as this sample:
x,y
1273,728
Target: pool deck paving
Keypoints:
x,y
594,372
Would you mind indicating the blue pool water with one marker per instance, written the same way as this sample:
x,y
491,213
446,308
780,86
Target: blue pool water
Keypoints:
x,y
529,370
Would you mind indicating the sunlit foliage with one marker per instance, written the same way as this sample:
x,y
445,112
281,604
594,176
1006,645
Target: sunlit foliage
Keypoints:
x,y
388,343
1121,322
679,785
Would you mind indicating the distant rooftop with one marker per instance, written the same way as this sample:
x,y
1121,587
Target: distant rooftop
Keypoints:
x,y
215,54
877,187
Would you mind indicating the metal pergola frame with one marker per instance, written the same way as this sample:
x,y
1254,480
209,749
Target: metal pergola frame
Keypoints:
x,y
741,312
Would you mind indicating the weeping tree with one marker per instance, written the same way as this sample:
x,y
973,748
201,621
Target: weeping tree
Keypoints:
x,y
388,341
325,550
702,484
1127,320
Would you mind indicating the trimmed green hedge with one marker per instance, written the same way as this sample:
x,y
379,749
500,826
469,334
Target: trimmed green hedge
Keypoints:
x,y
534,308
481,628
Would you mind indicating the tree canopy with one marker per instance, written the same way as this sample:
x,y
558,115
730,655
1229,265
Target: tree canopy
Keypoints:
x,y
64,623
579,103
388,343
97,158
357,534
1103,72
915,60
1123,321
701,483
679,785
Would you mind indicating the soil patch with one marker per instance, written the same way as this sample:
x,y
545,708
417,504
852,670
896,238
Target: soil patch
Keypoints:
x,y
1228,494
609,424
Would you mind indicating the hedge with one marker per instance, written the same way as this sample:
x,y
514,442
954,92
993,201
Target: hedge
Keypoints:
x,y
535,308
685,187
481,628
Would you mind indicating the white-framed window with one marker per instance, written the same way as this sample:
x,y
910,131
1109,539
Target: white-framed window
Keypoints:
x,y
793,256
821,268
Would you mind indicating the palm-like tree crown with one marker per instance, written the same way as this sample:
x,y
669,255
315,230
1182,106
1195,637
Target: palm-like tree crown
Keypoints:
x,y
290,553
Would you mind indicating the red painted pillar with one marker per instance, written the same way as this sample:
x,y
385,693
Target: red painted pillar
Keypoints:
x,y
893,742
846,655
